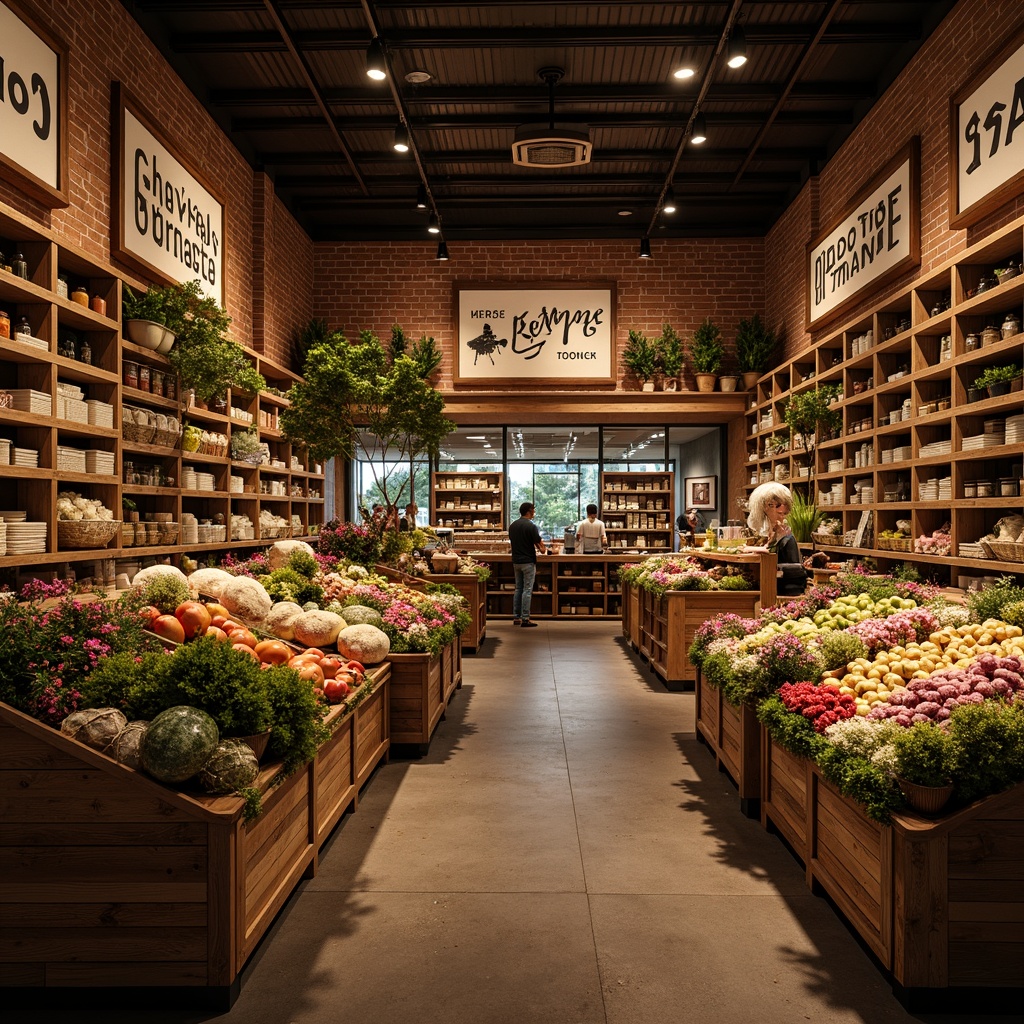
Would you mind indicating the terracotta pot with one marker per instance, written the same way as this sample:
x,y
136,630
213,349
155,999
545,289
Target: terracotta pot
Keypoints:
x,y
728,382
926,799
750,379
706,381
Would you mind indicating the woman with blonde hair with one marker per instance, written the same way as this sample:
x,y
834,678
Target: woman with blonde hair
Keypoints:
x,y
770,503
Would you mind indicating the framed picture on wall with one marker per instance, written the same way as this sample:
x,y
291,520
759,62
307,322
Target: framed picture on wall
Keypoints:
x,y
701,492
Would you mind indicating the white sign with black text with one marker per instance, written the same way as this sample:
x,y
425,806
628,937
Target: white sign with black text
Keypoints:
x,y
989,136
170,221
29,101
877,237
542,333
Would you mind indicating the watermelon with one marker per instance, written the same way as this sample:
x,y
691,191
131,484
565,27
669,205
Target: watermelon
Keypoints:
x,y
360,615
233,766
178,743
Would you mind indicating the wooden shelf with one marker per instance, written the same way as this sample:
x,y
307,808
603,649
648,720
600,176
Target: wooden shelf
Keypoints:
x,y
461,489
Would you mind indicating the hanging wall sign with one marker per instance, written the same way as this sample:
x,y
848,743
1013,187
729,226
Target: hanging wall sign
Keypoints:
x,y
33,107
168,222
986,149
535,333
877,238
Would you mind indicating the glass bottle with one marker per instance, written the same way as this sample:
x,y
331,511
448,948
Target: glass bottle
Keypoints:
x,y
22,327
19,267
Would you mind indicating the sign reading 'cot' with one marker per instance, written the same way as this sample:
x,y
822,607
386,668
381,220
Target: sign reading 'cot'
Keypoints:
x,y
877,238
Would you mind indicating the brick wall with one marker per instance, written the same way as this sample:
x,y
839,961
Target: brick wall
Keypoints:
x,y
917,103
376,285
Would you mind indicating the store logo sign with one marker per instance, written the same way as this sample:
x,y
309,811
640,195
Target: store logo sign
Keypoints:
x,y
877,238
987,136
169,223
32,134
538,333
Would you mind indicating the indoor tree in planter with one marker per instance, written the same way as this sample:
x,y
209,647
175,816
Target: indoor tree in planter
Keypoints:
x,y
706,352
640,357
670,357
811,417
755,349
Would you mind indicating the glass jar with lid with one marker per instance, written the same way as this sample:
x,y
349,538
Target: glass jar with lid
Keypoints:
x,y
5,325
62,285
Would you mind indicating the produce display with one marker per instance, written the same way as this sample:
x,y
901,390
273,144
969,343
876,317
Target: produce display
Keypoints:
x,y
680,572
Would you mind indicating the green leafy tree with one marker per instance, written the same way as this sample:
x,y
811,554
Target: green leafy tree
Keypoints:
x,y
358,402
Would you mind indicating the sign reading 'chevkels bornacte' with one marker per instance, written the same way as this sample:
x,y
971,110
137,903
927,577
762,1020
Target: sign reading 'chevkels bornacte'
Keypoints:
x,y
167,221
544,333
876,238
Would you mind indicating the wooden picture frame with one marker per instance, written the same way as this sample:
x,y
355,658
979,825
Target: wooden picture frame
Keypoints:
x,y
701,493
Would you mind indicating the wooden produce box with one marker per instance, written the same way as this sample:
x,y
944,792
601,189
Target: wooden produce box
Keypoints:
x,y
733,735
421,686
117,881
474,591
937,901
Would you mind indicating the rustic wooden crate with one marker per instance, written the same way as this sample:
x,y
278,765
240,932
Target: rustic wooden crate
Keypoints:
x,y
417,699
785,795
474,591
734,737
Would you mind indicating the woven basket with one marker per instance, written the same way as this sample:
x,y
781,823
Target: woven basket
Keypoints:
x,y
128,535
137,434
168,438
926,799
168,533
87,534
1008,551
826,538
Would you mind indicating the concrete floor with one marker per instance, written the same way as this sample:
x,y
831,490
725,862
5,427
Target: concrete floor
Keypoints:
x,y
567,852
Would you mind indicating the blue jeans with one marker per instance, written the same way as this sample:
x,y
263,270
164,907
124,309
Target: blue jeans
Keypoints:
x,y
526,573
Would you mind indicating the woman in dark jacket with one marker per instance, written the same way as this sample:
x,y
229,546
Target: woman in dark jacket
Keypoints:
x,y
769,505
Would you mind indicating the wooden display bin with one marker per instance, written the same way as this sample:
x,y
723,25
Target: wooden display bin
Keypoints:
x,y
733,736
474,591
117,881
937,901
421,686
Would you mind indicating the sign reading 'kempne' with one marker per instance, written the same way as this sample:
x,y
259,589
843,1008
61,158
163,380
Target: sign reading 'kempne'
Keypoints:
x,y
876,238
542,333
168,220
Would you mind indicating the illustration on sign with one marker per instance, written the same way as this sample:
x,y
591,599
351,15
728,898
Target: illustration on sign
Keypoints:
x,y
536,332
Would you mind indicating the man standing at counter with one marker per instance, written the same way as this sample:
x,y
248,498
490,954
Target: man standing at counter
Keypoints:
x,y
590,536
526,541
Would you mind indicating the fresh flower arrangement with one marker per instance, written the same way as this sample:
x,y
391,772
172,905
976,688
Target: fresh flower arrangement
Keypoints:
x,y
349,541
468,565
728,624
821,705
661,573
896,630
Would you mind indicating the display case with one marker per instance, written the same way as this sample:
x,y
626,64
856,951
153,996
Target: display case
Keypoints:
x,y
637,511
468,501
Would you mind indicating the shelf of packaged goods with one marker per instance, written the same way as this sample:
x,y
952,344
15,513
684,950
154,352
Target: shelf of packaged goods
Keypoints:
x,y
197,457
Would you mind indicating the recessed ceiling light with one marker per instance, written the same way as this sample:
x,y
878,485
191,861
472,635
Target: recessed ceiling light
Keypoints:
x,y
475,437
418,77
684,72
625,213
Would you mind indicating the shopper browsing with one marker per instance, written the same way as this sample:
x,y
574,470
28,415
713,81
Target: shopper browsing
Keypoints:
x,y
408,521
769,505
526,541
590,536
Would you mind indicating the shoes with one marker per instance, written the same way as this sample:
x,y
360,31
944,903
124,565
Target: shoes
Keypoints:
x,y
527,624
517,622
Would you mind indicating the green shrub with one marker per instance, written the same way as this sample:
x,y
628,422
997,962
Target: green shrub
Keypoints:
x,y
166,592
989,602
922,754
986,748
303,563
1013,613
288,585
837,648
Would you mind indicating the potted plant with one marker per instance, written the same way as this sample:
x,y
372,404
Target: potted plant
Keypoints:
x,y
997,380
151,318
811,417
670,357
246,447
640,357
706,351
804,518
729,381
921,764
755,349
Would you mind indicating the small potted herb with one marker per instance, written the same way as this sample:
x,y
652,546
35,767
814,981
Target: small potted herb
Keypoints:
x,y
246,447
997,380
921,762
670,357
706,352
640,357
755,349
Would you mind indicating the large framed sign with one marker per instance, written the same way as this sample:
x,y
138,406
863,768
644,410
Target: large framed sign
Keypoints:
x,y
168,222
986,136
536,332
33,106
877,238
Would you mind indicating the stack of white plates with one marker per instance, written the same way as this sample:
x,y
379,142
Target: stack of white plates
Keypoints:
x,y
936,448
971,444
25,538
13,517
25,457
1014,429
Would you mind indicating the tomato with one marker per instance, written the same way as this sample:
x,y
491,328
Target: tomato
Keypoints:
x,y
331,664
313,652
193,617
218,634
241,635
217,609
169,628
336,690
245,649
274,651
311,673
148,614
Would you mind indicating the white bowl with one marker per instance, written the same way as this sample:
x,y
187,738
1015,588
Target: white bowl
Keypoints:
x,y
147,334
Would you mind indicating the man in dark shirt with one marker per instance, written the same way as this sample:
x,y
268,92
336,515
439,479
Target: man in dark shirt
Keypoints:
x,y
526,542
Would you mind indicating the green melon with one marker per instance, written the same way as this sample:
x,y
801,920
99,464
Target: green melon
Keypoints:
x,y
178,743
360,615
233,766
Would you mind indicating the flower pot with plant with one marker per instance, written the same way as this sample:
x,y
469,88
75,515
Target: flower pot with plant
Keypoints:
x,y
706,352
755,349
152,318
670,357
921,763
640,357
997,380
246,447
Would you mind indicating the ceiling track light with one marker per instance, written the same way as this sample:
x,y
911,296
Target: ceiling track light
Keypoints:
x,y
645,248
401,143
668,204
376,68
442,250
736,52
434,225
699,134
421,197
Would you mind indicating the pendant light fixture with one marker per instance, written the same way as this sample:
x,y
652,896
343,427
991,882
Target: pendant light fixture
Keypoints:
x,y
434,225
668,204
421,197
699,134
645,248
376,68
401,143
442,250
736,54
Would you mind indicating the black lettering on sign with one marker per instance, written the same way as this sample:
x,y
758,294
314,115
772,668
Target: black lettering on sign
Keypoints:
x,y
1000,129
14,91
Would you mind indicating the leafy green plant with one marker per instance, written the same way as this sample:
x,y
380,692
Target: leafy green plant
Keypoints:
x,y
303,563
922,754
989,602
809,415
859,779
986,748
707,348
803,518
298,728
288,585
164,306
427,356
166,592
755,345
837,648
996,375
312,334
670,354
640,356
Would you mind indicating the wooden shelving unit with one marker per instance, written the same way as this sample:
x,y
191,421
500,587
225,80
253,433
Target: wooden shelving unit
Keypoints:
x,y
905,450
637,511
468,501
299,486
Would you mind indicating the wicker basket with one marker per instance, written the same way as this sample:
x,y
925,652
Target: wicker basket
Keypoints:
x,y
895,543
92,533
831,539
1007,550
168,533
128,535
168,438
137,434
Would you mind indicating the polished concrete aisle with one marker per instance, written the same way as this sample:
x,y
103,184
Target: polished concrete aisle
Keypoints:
x,y
566,852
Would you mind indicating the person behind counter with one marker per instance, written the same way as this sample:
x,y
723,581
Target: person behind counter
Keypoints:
x,y
689,524
526,541
769,505
590,536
